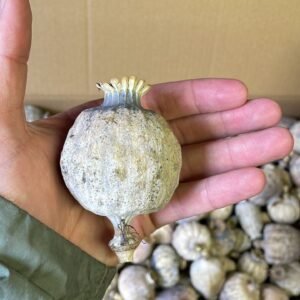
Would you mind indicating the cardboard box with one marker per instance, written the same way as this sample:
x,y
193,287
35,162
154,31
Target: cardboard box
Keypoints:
x,y
76,43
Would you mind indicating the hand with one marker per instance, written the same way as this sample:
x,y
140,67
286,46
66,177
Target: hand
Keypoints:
x,y
223,138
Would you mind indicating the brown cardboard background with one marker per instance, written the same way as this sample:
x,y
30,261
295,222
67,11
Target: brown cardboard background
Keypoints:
x,y
76,43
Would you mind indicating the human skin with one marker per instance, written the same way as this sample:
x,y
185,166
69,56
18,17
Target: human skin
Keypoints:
x,y
223,137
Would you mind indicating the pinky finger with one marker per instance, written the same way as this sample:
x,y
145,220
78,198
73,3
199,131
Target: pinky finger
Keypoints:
x,y
192,198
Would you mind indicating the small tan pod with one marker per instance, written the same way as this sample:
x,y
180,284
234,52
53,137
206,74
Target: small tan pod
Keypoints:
x,y
240,286
207,276
178,292
192,240
287,277
192,219
284,209
112,295
273,292
143,251
273,187
34,113
242,240
136,283
223,237
253,263
221,213
163,235
166,264
281,244
250,218
295,131
112,290
295,169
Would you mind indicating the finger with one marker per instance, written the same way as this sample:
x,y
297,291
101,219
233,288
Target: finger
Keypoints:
x,y
198,197
254,115
179,99
15,39
247,150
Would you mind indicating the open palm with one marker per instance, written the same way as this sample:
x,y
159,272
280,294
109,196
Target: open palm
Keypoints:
x,y
223,138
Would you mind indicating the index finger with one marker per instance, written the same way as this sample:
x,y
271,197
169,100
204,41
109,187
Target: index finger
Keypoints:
x,y
189,97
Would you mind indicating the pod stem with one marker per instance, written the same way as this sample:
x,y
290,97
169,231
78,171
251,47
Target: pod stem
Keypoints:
x,y
127,92
125,240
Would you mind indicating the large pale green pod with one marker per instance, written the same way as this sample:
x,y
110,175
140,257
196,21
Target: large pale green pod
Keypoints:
x,y
120,160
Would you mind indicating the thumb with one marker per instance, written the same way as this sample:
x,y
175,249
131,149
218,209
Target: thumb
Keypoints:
x,y
15,40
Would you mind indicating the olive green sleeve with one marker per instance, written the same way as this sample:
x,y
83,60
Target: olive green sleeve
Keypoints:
x,y
37,263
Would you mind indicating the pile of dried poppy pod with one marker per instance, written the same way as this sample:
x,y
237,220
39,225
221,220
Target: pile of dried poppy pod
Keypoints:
x,y
250,250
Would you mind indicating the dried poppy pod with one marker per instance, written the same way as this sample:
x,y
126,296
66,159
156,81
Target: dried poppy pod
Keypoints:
x,y
33,112
294,165
166,262
275,178
240,286
254,264
223,237
136,283
221,213
208,276
281,244
287,277
287,122
112,290
284,209
273,292
178,292
192,219
242,241
143,251
192,240
250,218
296,192
295,131
120,160
163,235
